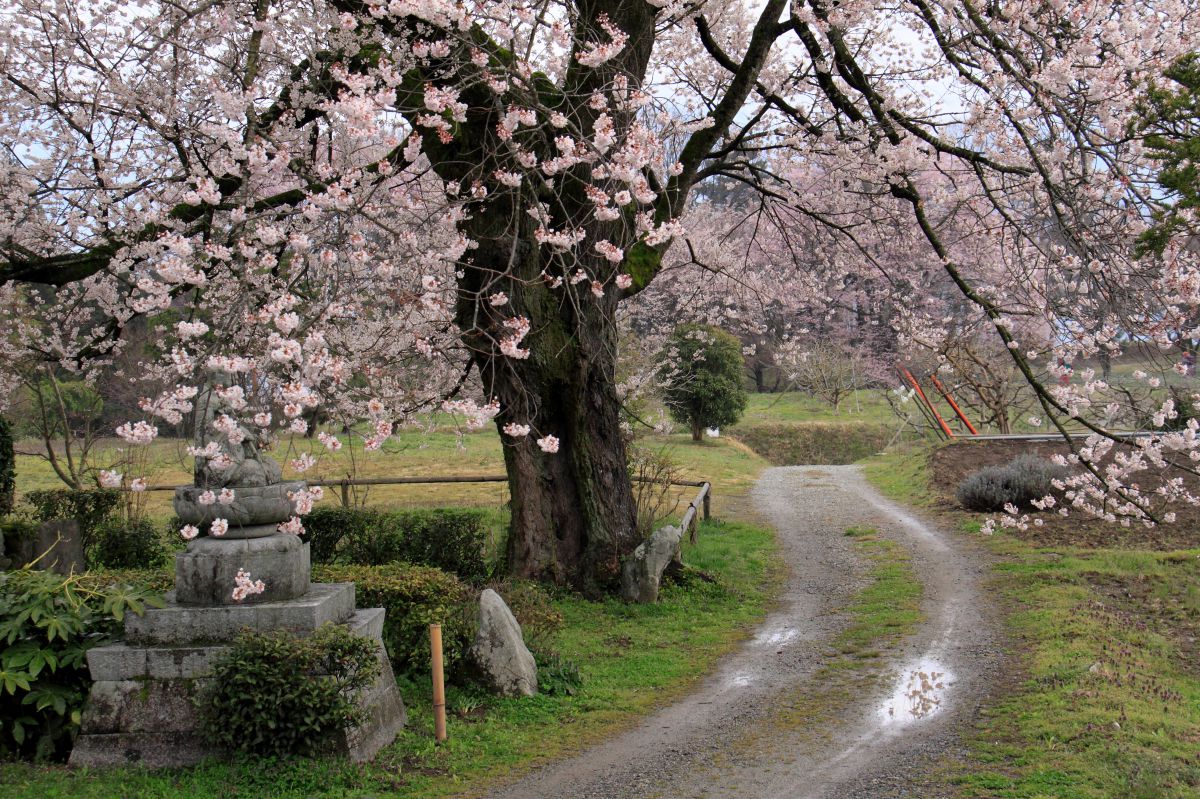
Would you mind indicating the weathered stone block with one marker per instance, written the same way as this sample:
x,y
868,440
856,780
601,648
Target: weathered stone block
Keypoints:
x,y
57,546
181,625
142,710
204,575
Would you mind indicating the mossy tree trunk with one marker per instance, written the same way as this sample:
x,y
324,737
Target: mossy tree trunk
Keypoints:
x,y
8,468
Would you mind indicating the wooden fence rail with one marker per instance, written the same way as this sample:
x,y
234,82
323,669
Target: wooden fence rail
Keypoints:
x,y
703,496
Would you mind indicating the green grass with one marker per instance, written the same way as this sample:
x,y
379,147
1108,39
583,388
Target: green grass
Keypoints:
x,y
814,442
731,467
1104,699
633,658
888,608
868,405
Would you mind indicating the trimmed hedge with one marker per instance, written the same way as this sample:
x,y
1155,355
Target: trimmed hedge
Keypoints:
x,y
414,597
90,508
448,539
117,543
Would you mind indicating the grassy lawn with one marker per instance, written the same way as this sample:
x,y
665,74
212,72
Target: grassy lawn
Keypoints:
x,y
866,406
731,467
1104,699
633,658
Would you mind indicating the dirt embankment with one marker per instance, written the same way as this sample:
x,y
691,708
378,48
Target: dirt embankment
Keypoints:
x,y
952,463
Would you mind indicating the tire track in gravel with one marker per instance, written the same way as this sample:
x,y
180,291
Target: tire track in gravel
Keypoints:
x,y
720,742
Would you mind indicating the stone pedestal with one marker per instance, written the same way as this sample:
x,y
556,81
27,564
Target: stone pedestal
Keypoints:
x,y
204,575
141,709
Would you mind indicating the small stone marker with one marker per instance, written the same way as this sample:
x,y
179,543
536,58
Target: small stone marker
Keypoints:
x,y
499,653
642,572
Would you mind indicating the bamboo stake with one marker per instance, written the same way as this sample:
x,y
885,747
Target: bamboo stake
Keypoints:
x,y
439,686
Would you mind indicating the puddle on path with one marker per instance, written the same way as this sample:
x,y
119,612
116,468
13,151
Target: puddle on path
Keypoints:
x,y
918,694
777,636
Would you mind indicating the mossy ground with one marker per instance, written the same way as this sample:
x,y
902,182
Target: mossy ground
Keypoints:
x,y
1103,695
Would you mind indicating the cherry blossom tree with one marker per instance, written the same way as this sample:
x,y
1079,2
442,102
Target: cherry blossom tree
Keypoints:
x,y
371,205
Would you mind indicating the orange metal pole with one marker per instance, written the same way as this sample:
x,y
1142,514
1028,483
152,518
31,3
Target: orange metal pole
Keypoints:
x,y
921,393
938,384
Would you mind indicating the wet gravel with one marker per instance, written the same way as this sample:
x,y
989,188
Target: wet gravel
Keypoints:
x,y
723,740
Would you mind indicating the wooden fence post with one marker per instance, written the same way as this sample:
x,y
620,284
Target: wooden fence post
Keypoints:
x,y
439,686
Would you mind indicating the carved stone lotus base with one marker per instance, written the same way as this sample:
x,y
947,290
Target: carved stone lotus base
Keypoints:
x,y
255,512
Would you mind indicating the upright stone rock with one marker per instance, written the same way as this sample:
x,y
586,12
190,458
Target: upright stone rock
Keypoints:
x,y
499,653
641,574
140,708
56,545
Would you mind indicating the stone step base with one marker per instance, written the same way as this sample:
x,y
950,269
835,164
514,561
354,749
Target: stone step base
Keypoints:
x,y
125,661
141,707
186,625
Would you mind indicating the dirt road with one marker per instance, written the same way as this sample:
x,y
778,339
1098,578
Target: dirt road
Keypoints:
x,y
723,741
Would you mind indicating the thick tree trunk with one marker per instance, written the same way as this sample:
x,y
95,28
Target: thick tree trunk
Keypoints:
x,y
697,431
573,513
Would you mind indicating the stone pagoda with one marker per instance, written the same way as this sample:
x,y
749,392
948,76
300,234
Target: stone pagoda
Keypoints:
x,y
141,709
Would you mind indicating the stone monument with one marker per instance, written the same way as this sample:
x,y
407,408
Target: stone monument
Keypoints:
x,y
140,709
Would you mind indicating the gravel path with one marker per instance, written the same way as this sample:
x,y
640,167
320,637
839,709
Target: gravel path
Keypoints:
x,y
721,741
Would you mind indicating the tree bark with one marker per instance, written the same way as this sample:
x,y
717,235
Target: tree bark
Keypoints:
x,y
573,511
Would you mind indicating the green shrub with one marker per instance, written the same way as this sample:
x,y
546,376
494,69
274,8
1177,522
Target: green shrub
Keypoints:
x,y
414,597
89,508
1017,483
276,693
326,527
47,624
155,581
702,374
558,675
449,539
119,544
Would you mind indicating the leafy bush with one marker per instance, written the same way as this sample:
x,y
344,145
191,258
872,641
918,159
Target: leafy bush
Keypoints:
x,y
276,693
47,624
448,539
1025,479
326,527
558,675
414,597
90,508
702,371
119,544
